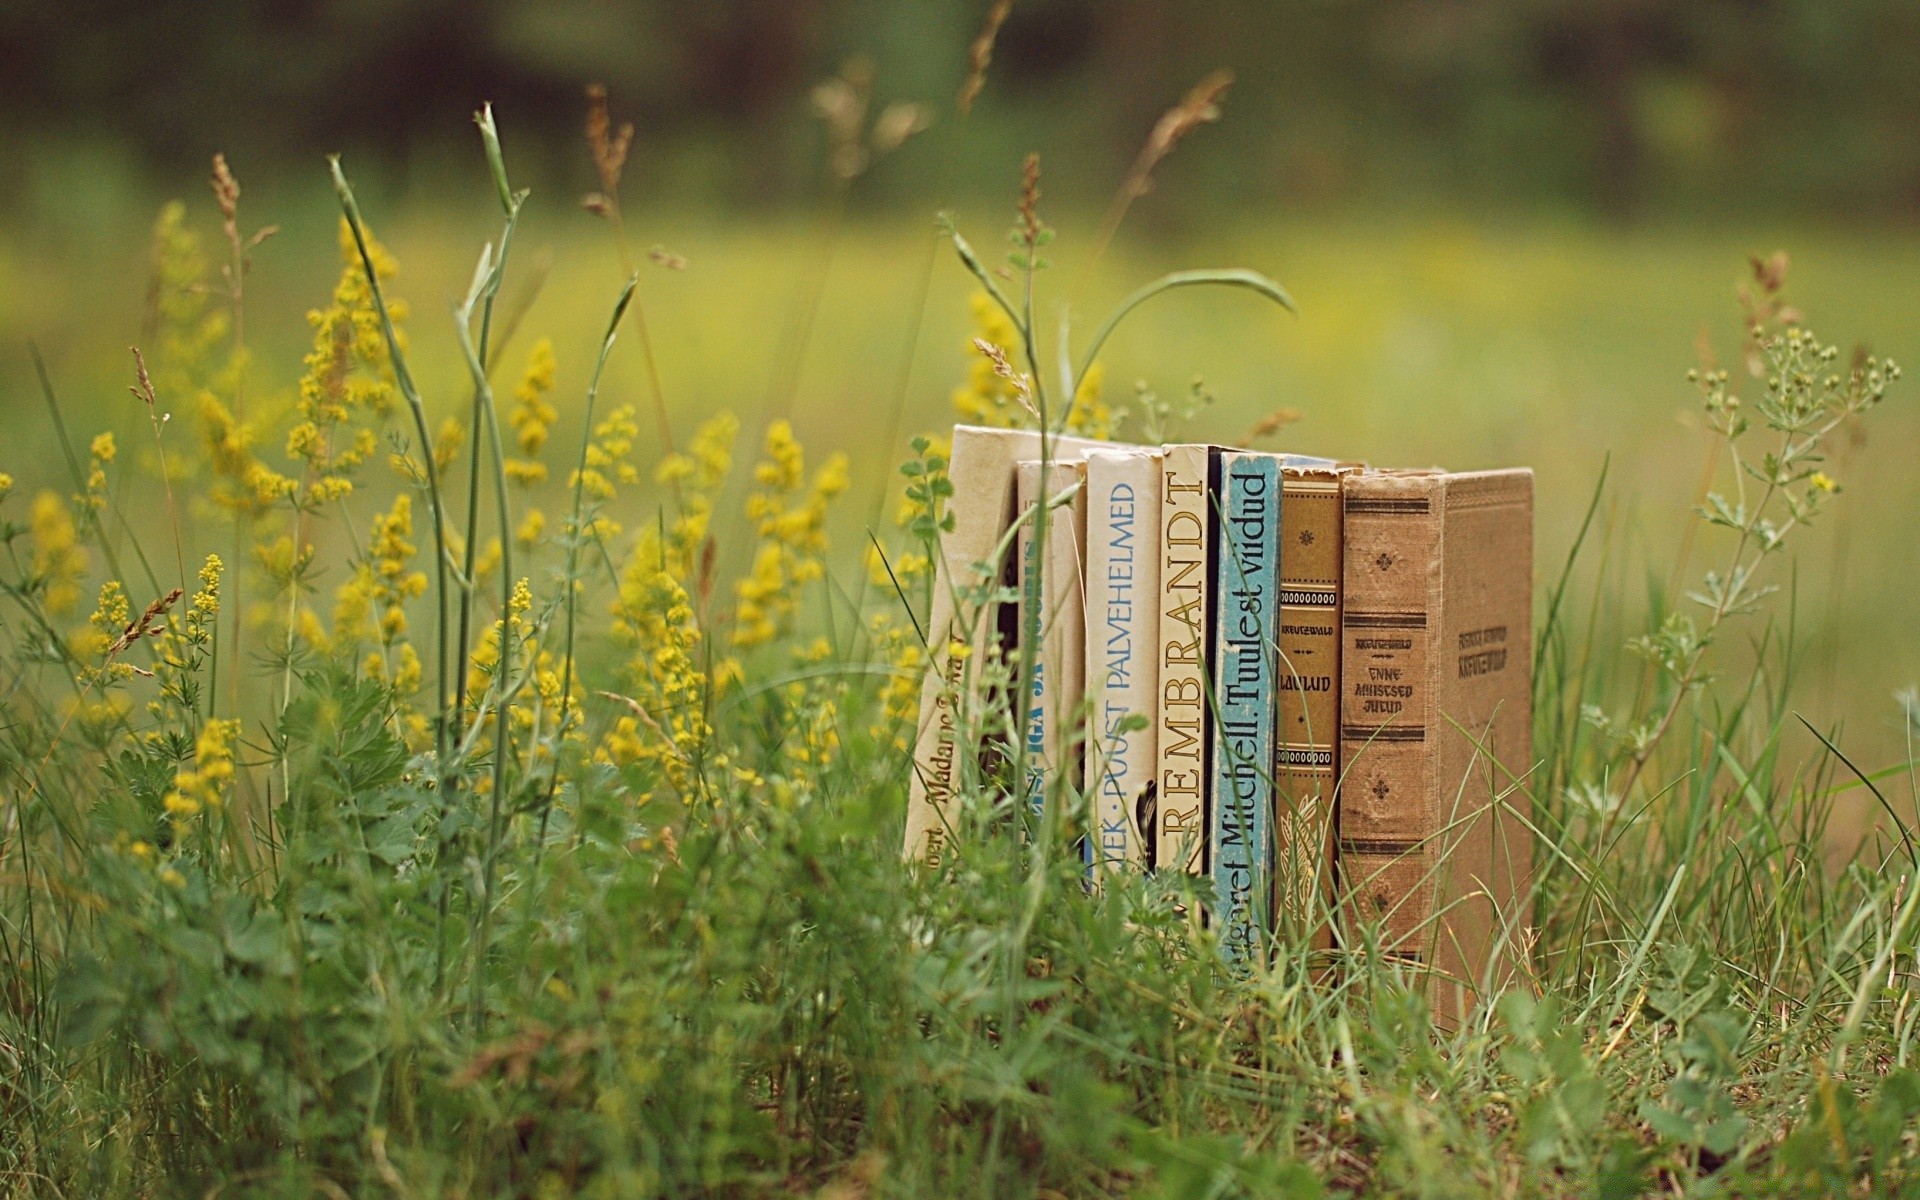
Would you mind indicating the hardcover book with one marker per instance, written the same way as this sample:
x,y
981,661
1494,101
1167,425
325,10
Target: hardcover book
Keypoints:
x,y
1436,725
1184,722
1305,762
1050,498
1123,670
980,468
1246,614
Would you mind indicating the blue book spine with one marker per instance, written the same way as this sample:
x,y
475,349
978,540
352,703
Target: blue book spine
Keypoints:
x,y
1246,619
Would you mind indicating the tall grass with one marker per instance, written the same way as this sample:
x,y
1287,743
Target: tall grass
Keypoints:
x,y
615,905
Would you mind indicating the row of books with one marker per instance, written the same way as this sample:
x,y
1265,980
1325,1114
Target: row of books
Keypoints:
x,y
1307,682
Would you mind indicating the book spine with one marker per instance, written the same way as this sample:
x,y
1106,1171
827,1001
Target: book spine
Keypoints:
x,y
1246,612
1483,723
1122,669
1391,583
961,630
1183,721
1436,725
1306,756
1051,497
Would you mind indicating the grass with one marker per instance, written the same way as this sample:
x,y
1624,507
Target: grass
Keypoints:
x,y
633,921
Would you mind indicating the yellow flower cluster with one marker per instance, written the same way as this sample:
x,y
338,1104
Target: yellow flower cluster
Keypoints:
x,y
987,397
609,455
243,484
185,642
100,456
347,372
790,520
486,658
532,415
1090,416
92,644
203,785
371,606
900,648
668,728
59,561
694,476
189,328
990,398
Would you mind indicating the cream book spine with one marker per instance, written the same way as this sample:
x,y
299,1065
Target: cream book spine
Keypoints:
x,y
960,630
1122,668
1052,497
1184,724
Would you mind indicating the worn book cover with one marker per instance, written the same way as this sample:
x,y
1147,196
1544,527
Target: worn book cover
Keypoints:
x,y
1436,720
1184,723
980,467
1050,499
1122,670
1306,753
1246,615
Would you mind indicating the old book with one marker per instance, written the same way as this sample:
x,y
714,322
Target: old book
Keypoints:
x,y
980,468
1305,762
1123,671
1184,723
1436,720
1246,614
1050,498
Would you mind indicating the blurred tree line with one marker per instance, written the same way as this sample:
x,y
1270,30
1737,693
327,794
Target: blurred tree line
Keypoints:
x,y
1619,106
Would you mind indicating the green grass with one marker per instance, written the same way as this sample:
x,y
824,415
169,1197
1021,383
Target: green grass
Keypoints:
x,y
701,967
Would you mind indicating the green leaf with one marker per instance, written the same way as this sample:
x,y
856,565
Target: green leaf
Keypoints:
x,y
1229,277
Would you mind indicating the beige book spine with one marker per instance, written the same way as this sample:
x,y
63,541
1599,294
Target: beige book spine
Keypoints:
x,y
1122,670
980,467
1436,719
1053,496
1306,752
1183,724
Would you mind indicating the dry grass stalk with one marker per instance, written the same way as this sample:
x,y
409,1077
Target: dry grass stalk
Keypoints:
x,y
1022,386
1269,425
146,624
1200,106
980,55
609,151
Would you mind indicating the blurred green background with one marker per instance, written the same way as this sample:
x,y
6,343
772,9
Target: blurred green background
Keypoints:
x,y
1511,225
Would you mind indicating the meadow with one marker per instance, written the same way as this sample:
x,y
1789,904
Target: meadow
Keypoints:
x,y
626,916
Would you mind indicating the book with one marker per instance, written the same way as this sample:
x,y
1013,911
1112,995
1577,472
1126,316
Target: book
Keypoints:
x,y
1122,670
980,468
1307,741
1184,721
1246,616
1052,619
1436,725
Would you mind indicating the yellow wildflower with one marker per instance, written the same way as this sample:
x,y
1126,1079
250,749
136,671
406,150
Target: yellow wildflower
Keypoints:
x,y
190,328
1090,416
347,372
791,525
59,562
987,397
371,604
204,784
532,416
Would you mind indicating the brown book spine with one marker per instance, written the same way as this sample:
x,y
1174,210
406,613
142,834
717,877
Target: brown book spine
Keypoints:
x,y
1435,724
1306,750
1391,541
